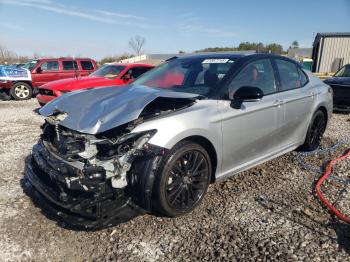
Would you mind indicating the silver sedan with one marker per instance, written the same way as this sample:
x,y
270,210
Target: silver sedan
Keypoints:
x,y
156,145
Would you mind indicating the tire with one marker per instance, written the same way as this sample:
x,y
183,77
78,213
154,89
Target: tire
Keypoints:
x,y
182,179
21,91
315,131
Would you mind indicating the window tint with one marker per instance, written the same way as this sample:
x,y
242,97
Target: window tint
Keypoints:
x,y
137,71
49,66
303,77
68,65
192,75
343,72
256,74
87,65
289,75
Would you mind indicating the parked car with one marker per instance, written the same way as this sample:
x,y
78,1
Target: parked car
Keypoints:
x,y
108,75
107,154
47,70
340,84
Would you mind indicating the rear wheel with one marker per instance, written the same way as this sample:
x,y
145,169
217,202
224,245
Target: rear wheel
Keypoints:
x,y
183,179
315,132
21,91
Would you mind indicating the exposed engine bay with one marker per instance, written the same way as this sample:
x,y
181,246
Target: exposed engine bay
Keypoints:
x,y
90,175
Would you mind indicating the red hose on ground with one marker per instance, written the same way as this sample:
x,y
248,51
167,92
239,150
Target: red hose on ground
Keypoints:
x,y
321,181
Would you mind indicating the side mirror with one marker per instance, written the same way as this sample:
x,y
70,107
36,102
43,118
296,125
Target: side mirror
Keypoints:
x,y
246,94
39,70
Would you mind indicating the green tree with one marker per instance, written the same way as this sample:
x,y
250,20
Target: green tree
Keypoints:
x,y
295,44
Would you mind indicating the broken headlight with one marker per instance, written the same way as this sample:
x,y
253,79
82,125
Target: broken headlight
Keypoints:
x,y
122,145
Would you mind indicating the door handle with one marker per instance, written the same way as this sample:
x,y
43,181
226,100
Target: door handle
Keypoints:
x,y
278,103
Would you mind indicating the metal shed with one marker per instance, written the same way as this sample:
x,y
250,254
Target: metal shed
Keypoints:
x,y
330,52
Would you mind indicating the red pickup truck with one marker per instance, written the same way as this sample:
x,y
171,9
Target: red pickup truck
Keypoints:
x,y
115,74
47,70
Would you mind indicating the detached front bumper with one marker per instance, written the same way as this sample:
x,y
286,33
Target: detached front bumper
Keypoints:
x,y
78,206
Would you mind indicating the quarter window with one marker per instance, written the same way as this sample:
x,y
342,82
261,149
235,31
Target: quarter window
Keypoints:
x,y
87,65
68,65
303,77
256,74
289,75
49,66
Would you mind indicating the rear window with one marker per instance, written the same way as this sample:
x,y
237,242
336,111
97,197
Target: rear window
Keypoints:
x,y
68,65
87,65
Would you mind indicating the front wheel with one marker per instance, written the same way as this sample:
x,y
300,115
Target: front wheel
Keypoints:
x,y
21,91
183,179
315,132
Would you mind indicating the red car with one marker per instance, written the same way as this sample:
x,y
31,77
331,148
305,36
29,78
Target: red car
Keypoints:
x,y
47,70
108,75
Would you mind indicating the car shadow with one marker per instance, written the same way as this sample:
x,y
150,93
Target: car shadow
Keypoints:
x,y
47,210
36,110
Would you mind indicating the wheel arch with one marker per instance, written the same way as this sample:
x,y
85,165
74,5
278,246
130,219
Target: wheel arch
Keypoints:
x,y
323,109
24,81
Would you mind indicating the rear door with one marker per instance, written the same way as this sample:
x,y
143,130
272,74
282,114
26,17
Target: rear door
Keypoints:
x,y
249,133
46,71
69,69
297,97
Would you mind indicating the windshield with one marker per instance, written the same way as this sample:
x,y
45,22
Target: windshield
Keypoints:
x,y
343,72
30,64
191,75
108,71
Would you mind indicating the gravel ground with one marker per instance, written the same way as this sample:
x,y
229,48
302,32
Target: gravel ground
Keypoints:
x,y
267,213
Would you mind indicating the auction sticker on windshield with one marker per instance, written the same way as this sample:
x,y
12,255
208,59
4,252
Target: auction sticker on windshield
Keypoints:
x,y
215,61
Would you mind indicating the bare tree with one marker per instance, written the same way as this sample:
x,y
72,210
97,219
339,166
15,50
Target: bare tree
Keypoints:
x,y
136,43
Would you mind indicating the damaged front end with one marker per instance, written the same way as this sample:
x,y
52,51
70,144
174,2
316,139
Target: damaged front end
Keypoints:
x,y
84,178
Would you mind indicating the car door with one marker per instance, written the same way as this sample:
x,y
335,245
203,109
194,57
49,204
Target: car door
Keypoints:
x,y
297,97
69,69
46,72
249,133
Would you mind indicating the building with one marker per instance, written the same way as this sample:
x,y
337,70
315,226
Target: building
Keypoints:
x,y
330,52
299,53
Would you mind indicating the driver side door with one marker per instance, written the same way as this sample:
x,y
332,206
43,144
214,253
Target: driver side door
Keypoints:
x,y
249,132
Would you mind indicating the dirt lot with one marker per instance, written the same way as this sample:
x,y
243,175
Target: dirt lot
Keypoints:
x,y
267,213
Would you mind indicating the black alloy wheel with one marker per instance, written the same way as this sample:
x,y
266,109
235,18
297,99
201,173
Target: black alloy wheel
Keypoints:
x,y
315,131
184,180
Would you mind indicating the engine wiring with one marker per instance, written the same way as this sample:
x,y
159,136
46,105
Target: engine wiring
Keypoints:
x,y
327,174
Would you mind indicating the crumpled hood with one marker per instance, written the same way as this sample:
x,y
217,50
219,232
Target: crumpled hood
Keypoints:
x,y
98,110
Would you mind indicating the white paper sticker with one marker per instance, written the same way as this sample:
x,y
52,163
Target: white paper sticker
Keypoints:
x,y
215,61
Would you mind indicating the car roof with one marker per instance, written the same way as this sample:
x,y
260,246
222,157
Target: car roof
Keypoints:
x,y
132,64
229,55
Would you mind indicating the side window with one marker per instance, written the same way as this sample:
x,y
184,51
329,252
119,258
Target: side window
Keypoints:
x,y
303,78
137,71
259,74
289,75
68,65
87,65
49,66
